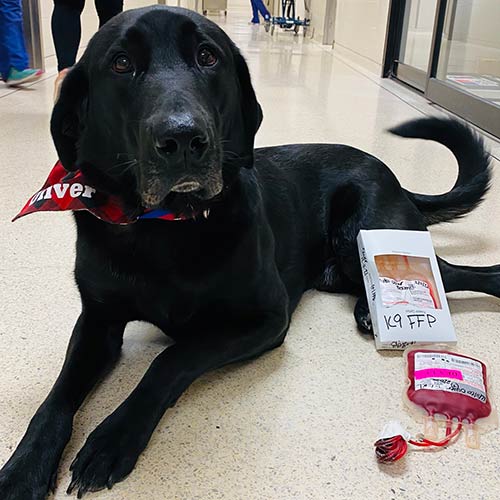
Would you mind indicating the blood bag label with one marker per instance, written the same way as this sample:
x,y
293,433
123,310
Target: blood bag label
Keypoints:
x,y
413,292
437,371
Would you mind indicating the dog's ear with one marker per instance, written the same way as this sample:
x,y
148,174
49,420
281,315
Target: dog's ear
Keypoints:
x,y
68,116
250,108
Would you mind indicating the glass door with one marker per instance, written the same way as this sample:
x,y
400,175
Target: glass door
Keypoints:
x,y
450,50
470,48
467,77
416,42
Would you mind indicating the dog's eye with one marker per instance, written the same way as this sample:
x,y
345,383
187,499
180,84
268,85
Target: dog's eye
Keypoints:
x,y
206,57
122,64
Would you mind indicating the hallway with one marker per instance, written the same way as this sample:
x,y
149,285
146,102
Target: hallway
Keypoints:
x,y
299,422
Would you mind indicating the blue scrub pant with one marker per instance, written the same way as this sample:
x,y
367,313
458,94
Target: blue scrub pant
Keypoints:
x,y
12,48
258,6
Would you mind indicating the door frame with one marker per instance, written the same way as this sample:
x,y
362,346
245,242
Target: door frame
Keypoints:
x,y
32,21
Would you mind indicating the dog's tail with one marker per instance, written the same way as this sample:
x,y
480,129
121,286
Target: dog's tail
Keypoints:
x,y
474,170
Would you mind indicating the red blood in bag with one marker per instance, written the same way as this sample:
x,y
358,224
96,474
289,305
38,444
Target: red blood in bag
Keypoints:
x,y
449,384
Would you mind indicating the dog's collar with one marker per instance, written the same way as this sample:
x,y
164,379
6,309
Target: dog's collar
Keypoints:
x,y
65,190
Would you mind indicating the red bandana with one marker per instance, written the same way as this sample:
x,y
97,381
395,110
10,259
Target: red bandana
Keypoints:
x,y
65,190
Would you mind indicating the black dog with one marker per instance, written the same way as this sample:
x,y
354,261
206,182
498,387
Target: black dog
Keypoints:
x,y
167,91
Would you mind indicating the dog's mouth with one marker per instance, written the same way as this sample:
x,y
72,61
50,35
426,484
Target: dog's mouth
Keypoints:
x,y
186,187
189,198
187,205
182,186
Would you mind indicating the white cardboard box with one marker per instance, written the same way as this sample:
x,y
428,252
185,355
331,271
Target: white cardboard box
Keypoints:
x,y
404,289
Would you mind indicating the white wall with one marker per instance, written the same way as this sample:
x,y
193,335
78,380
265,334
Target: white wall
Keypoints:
x,y
318,12
238,4
360,27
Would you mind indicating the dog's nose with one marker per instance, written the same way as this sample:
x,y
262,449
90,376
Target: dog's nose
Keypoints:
x,y
180,137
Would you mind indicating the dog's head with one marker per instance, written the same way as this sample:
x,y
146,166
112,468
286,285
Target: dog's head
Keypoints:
x,y
160,109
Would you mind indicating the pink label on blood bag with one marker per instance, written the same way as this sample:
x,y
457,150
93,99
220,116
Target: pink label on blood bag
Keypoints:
x,y
438,372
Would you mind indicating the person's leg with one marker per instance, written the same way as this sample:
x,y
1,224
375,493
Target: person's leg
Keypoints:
x,y
66,31
106,9
12,49
4,54
262,9
255,13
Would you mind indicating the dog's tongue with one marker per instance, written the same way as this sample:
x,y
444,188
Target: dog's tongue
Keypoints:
x,y
65,190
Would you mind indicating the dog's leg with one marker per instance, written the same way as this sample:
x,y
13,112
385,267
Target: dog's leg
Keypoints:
x,y
94,347
455,278
476,279
353,214
112,449
362,315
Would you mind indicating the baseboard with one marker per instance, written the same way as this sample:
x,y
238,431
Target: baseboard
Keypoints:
x,y
357,58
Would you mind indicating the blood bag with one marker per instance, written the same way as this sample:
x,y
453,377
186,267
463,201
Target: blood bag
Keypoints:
x,y
447,390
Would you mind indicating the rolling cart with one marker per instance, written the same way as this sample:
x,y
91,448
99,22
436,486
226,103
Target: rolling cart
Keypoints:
x,y
217,5
287,21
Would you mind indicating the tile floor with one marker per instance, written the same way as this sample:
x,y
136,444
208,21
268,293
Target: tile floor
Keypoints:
x,y
299,422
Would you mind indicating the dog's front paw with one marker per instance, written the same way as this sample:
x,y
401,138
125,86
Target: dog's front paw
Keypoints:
x,y
107,457
17,482
362,316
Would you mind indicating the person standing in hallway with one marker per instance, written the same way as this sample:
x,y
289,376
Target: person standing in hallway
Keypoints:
x,y
258,6
14,61
67,29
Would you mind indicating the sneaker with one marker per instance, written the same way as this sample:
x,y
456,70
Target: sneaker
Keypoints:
x,y
16,77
